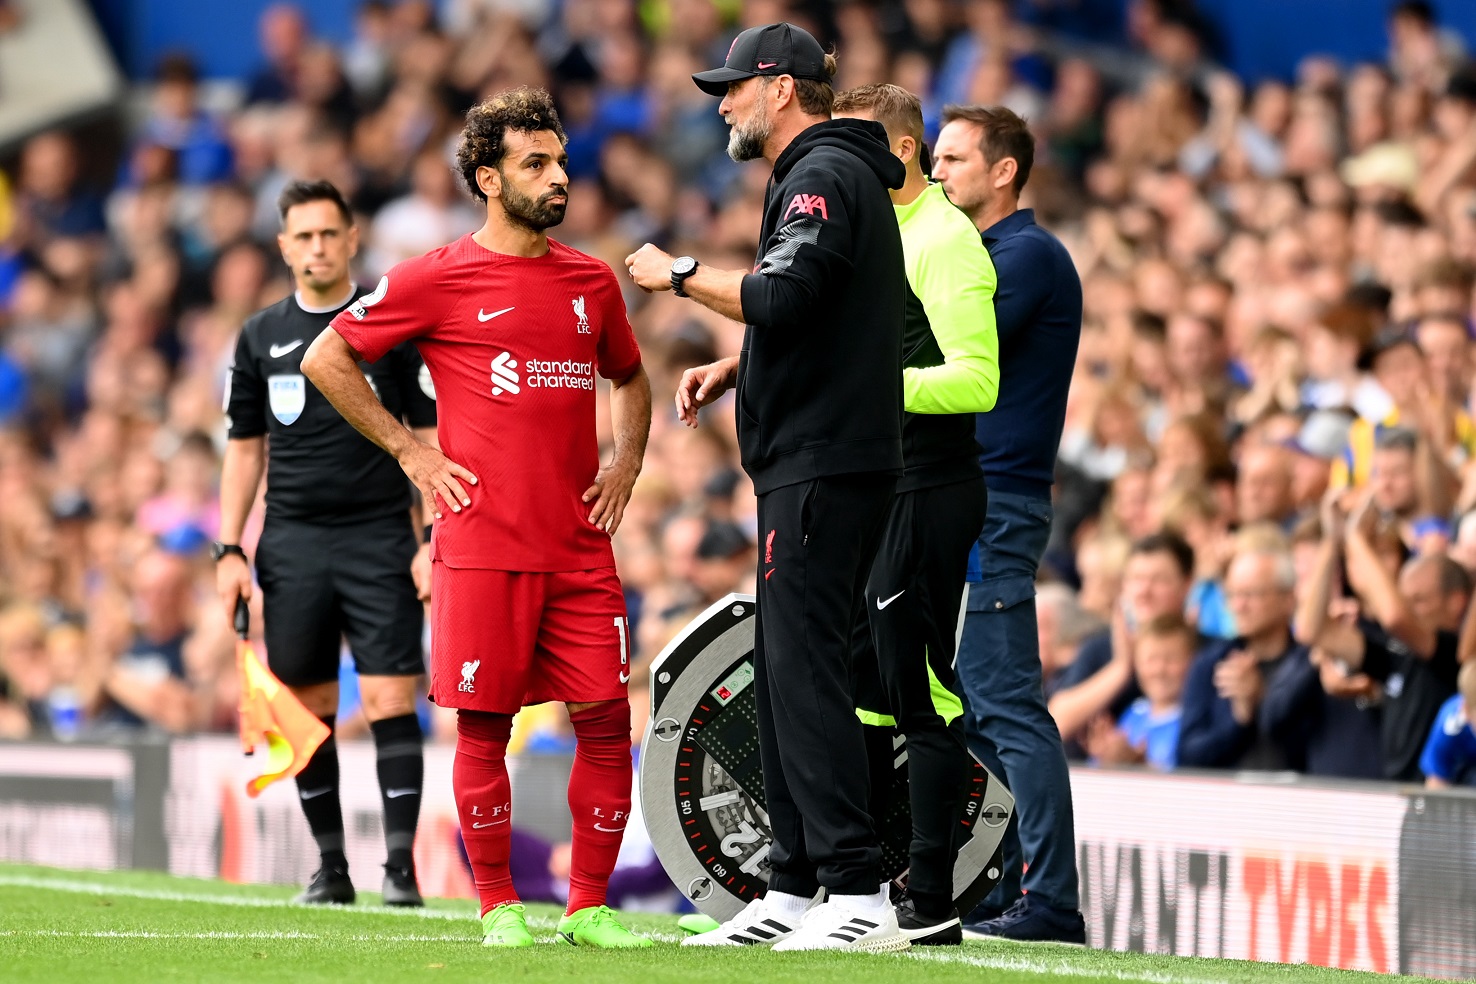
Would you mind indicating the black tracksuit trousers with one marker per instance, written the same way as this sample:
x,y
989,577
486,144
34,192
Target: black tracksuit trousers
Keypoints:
x,y
904,647
819,540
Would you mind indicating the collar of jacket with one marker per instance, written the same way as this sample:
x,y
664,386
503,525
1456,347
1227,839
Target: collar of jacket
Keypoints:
x,y
1010,224
865,140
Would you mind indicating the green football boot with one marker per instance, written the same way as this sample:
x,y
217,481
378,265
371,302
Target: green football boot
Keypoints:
x,y
596,926
506,925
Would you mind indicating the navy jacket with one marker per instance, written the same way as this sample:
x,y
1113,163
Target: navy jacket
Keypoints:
x,y
1037,309
1333,737
1209,735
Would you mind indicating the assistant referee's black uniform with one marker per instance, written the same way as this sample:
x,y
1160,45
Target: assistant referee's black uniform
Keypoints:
x,y
334,556
819,412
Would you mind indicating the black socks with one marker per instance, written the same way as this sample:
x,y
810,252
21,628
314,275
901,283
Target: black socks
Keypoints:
x,y
317,790
401,772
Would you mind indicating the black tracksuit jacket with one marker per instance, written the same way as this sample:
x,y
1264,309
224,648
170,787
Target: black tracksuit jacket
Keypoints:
x,y
820,377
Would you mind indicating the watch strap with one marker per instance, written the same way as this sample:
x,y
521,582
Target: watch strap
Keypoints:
x,y
219,551
678,279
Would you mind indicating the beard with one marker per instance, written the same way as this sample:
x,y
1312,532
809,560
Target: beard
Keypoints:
x,y
746,140
537,214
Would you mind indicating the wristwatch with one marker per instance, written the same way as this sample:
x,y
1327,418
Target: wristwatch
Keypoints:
x,y
681,268
219,550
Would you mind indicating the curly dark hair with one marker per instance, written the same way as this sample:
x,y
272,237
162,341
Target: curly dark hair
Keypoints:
x,y
524,109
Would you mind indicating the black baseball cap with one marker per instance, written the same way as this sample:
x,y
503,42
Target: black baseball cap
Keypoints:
x,y
774,49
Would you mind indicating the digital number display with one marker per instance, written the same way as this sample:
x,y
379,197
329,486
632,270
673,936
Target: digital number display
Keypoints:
x,y
735,683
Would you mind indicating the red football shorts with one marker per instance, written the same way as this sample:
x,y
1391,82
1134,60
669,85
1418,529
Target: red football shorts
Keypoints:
x,y
501,640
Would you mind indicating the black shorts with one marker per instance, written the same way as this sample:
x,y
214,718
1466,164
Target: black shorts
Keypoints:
x,y
903,646
320,584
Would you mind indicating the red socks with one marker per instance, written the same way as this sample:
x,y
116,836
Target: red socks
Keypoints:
x,y
484,801
599,798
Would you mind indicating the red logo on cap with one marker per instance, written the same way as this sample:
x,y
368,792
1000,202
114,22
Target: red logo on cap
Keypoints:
x,y
763,65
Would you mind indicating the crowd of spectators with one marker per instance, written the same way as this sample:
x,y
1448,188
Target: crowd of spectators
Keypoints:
x,y
1266,492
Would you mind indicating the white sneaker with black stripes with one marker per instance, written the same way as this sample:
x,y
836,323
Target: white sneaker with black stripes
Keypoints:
x,y
756,925
833,925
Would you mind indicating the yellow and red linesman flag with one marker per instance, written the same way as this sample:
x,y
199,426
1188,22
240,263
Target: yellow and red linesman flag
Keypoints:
x,y
272,714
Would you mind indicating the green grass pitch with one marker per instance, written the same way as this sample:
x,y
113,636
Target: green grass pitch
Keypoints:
x,y
125,927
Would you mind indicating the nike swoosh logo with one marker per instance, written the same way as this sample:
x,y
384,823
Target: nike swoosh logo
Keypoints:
x,y
767,64
397,793
609,830
484,316
308,794
883,604
479,826
625,678
277,351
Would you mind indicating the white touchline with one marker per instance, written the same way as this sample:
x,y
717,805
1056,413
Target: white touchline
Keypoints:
x,y
467,915
976,957
99,888
119,934
1060,967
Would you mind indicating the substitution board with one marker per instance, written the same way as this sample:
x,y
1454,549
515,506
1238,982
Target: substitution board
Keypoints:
x,y
702,789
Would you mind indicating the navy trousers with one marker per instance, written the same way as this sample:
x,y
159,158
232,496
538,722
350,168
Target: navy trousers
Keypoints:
x,y
1007,724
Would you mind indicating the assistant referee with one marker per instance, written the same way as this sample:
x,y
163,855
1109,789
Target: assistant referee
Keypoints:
x,y
905,642
335,555
819,409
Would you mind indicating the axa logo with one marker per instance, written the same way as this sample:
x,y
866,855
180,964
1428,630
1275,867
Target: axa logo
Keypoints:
x,y
504,374
808,204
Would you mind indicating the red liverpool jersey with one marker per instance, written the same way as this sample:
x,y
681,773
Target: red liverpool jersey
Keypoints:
x,y
512,344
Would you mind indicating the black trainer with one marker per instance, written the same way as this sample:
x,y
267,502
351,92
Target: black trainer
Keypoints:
x,y
1031,921
984,912
330,886
400,888
924,931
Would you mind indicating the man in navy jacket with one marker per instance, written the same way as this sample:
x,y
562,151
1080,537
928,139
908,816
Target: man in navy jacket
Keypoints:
x,y
1221,728
983,158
